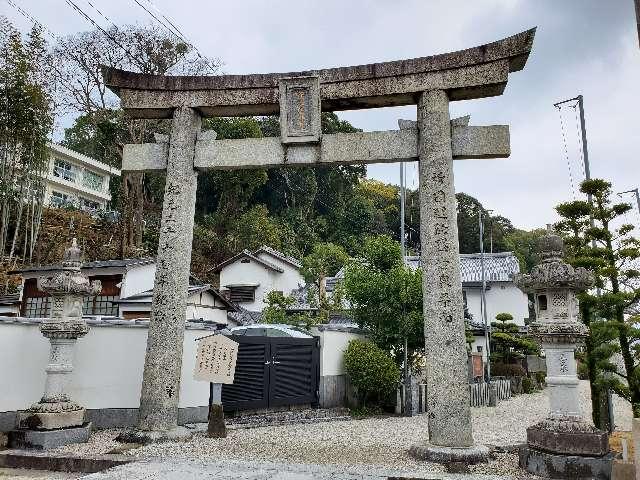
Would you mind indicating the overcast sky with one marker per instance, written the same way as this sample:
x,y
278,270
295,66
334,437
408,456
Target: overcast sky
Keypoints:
x,y
587,47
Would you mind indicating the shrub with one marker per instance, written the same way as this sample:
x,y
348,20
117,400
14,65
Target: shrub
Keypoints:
x,y
507,370
371,371
540,377
528,386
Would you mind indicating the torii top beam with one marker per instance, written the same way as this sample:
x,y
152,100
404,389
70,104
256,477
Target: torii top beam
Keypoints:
x,y
472,73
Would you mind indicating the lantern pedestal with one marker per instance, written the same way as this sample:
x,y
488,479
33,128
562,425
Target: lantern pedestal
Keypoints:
x,y
564,445
57,420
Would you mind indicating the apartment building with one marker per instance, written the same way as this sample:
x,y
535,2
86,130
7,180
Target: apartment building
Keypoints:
x,y
77,180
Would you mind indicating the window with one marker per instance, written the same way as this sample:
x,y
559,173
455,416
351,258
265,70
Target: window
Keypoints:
x,y
100,305
479,348
89,205
92,180
60,200
64,170
37,307
242,294
542,302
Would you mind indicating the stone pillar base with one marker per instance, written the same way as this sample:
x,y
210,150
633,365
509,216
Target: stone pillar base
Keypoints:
x,y
456,459
45,439
145,437
568,437
216,427
51,420
552,465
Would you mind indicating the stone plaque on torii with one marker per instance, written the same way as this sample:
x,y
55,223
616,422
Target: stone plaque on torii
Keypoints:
x,y
300,97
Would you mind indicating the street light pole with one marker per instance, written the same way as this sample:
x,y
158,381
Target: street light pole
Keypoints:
x,y
483,300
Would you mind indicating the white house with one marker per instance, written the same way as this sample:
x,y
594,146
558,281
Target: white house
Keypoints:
x,y
127,292
75,179
501,293
248,277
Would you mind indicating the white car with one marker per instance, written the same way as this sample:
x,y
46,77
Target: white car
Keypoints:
x,y
271,330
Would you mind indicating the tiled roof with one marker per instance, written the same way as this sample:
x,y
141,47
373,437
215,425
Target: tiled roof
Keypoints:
x,y
300,296
147,296
247,254
499,267
242,316
285,258
118,263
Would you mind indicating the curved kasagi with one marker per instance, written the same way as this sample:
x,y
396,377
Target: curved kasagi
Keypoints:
x,y
472,73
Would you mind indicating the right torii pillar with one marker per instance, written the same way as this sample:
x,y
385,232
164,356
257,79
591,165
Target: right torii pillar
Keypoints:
x,y
449,409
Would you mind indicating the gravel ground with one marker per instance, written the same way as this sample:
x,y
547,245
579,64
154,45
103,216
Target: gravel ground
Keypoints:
x,y
380,441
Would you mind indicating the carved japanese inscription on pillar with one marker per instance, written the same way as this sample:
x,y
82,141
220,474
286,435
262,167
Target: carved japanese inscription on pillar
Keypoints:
x,y
300,110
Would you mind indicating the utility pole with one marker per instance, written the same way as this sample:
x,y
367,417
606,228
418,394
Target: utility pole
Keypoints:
x,y
407,381
483,299
638,18
402,201
587,175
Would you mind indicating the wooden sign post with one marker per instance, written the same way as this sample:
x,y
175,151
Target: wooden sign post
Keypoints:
x,y
216,363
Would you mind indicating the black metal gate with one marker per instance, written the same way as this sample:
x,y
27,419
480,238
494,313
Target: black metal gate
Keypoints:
x,y
272,372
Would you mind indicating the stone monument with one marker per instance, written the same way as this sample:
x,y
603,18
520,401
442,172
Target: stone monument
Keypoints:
x,y
435,141
56,419
565,444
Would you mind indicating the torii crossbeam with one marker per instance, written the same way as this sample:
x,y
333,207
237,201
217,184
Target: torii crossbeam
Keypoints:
x,y
300,97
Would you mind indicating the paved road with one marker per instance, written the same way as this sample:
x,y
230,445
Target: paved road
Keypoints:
x,y
183,469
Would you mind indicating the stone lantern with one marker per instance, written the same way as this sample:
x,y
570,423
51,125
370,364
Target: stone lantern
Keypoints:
x,y
565,444
42,425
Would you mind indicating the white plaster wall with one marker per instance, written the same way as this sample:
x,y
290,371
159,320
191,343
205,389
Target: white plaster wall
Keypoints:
x,y
266,278
290,279
108,367
332,348
501,297
138,278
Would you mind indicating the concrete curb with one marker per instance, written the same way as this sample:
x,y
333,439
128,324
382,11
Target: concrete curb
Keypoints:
x,y
60,463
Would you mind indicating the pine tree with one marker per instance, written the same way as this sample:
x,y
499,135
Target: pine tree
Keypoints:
x,y
610,253
507,344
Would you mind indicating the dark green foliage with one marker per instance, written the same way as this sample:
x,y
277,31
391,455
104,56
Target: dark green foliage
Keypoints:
x,y
371,371
386,297
507,370
592,242
508,345
528,385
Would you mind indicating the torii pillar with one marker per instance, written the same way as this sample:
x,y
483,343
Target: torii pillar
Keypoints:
x,y
299,97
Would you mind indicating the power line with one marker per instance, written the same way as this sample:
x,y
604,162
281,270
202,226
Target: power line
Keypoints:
x,y
185,38
101,14
82,13
174,31
566,153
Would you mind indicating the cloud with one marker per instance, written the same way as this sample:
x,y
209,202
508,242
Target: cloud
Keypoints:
x,y
582,46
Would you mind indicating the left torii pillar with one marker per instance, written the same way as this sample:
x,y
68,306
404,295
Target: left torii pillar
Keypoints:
x,y
163,362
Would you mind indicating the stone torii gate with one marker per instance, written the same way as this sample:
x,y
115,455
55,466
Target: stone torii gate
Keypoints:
x,y
434,140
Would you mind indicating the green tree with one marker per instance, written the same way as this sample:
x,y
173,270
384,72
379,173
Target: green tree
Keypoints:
x,y
524,245
385,297
371,371
26,120
325,260
277,312
507,344
610,253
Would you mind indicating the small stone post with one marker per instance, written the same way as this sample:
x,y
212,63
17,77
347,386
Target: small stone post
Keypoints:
x,y
56,410
163,360
449,409
564,443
